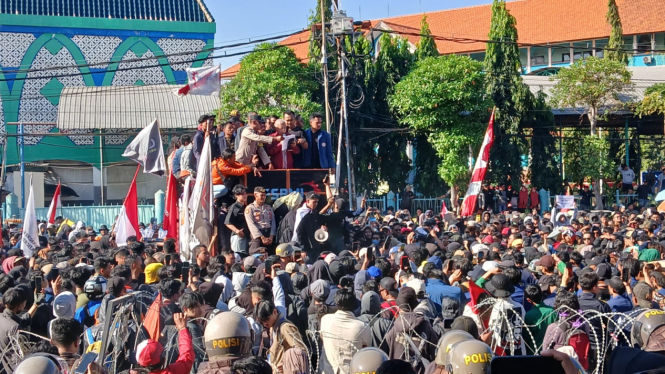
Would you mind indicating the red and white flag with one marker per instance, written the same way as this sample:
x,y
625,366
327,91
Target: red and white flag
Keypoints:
x,y
202,81
56,204
444,209
479,171
170,222
128,220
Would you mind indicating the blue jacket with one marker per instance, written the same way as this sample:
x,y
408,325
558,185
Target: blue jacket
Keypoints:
x,y
325,150
620,304
437,290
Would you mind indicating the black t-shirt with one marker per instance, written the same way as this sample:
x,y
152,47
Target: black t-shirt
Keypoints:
x,y
316,162
236,217
643,192
586,197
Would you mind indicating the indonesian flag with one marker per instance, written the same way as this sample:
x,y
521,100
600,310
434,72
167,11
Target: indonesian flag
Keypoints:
x,y
479,170
444,209
56,203
202,81
170,222
128,220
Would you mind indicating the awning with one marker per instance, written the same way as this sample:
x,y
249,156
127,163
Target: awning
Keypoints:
x,y
130,107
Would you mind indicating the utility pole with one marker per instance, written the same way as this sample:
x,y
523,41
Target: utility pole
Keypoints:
x,y
324,64
345,123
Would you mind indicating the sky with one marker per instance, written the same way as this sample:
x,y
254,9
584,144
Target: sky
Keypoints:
x,y
239,20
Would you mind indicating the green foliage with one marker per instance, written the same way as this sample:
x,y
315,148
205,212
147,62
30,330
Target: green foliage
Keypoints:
x,y
270,81
595,163
591,84
509,94
653,102
444,97
615,46
426,46
378,157
315,18
544,168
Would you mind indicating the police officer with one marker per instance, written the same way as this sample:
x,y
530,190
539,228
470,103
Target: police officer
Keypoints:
x,y
367,360
42,363
648,331
260,222
450,338
469,357
228,338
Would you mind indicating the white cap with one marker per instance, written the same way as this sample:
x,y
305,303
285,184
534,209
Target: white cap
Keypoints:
x,y
417,285
489,265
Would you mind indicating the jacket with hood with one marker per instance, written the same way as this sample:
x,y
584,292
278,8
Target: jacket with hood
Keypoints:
x,y
370,313
420,331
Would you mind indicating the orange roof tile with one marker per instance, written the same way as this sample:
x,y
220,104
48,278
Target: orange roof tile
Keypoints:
x,y
538,22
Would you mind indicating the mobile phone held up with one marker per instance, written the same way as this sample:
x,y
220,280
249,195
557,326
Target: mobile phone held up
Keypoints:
x,y
404,263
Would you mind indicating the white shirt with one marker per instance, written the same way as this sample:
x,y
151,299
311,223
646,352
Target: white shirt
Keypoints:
x,y
343,335
628,176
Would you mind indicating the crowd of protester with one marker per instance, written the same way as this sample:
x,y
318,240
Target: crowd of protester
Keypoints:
x,y
303,284
383,292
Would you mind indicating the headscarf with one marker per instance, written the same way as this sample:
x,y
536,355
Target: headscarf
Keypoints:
x,y
295,361
151,272
8,264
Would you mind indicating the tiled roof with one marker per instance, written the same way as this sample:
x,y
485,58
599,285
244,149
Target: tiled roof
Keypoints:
x,y
299,43
157,10
538,22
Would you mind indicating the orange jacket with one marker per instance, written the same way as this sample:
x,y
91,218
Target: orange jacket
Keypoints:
x,y
221,168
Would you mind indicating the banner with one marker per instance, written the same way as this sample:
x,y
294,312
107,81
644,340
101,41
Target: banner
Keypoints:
x,y
565,202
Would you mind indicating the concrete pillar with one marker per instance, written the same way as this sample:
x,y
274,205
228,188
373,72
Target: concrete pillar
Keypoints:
x,y
12,206
97,186
159,205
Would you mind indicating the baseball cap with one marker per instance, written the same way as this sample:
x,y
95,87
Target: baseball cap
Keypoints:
x,y
389,285
417,285
250,262
641,290
546,261
614,282
489,265
597,260
516,242
374,272
148,352
291,267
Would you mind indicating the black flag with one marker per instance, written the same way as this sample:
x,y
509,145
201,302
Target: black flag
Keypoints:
x,y
147,150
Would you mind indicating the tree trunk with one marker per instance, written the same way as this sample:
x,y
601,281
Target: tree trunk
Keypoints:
x,y
597,195
454,199
593,119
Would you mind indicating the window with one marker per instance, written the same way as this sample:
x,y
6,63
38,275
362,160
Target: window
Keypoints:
x,y
565,57
643,43
537,60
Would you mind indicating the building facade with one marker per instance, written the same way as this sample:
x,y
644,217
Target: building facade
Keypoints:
x,y
48,45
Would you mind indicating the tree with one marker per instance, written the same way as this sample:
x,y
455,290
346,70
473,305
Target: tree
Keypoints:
x,y
595,163
507,91
614,50
426,46
653,102
315,18
544,168
591,84
270,80
445,97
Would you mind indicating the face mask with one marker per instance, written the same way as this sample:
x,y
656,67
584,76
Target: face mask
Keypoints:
x,y
375,242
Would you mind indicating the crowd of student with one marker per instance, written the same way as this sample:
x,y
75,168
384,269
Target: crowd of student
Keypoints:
x,y
378,292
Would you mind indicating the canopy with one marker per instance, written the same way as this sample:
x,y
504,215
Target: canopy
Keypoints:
x,y
130,107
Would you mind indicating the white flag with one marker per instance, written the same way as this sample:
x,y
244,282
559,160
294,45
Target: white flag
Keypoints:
x,y
200,203
147,150
183,222
29,238
202,81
